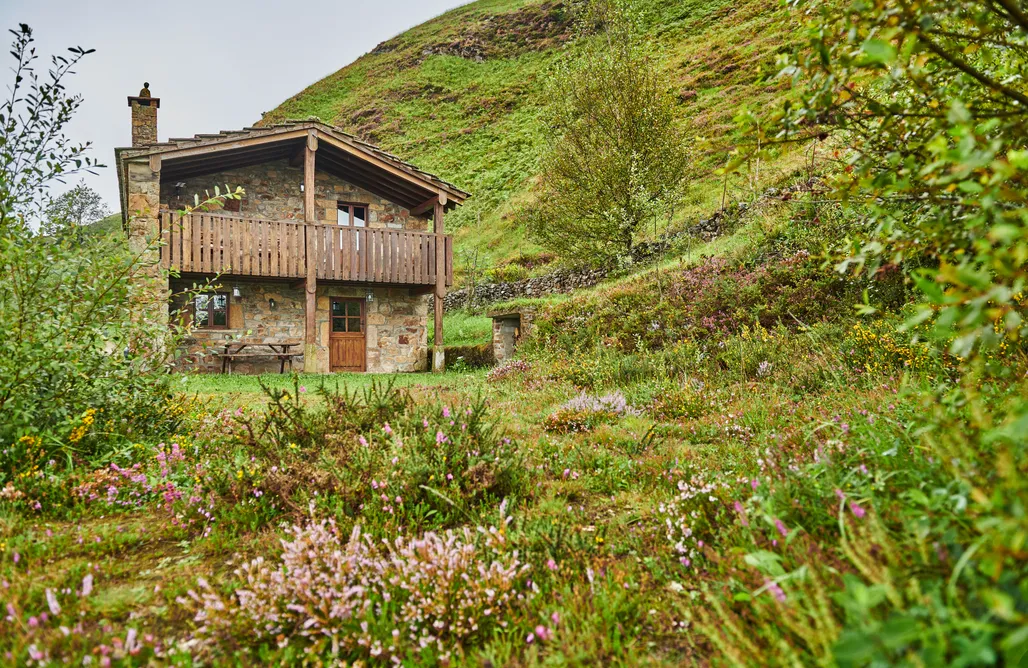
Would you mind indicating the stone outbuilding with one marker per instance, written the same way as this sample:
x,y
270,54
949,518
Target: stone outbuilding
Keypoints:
x,y
508,329
327,259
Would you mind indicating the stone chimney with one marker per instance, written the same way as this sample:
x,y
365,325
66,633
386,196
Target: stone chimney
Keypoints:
x,y
144,117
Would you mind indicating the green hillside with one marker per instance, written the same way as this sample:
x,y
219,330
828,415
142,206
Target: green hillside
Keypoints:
x,y
463,95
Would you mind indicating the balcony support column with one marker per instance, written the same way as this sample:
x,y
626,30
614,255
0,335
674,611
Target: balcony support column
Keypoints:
x,y
310,338
438,351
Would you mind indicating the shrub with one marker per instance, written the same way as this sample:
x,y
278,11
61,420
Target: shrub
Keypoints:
x,y
379,455
410,599
586,412
508,369
507,273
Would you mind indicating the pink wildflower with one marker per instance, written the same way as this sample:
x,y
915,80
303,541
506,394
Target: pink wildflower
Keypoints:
x,y
781,528
387,429
839,494
552,565
857,510
776,591
440,437
87,585
446,411
543,633
303,388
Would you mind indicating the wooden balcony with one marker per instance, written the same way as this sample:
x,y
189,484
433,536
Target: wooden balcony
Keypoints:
x,y
218,244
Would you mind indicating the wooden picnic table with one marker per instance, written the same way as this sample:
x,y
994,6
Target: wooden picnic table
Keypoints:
x,y
280,349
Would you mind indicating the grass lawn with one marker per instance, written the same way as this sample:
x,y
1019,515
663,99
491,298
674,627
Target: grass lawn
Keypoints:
x,y
461,328
245,389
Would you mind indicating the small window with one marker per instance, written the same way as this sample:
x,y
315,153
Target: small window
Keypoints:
x,y
352,215
210,311
346,316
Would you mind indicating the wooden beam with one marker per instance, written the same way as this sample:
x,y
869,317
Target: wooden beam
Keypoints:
x,y
310,339
364,181
310,308
368,156
439,353
351,165
308,181
425,206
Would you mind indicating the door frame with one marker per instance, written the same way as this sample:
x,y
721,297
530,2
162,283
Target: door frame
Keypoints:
x,y
363,335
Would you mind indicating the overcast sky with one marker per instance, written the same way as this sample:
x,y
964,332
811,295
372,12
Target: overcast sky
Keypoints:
x,y
215,64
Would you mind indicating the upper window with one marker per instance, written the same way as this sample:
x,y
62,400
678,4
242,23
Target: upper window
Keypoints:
x,y
210,311
352,215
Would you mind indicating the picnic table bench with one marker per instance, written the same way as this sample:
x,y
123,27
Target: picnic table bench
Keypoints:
x,y
278,349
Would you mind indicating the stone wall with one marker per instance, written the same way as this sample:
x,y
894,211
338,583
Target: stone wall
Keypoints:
x,y
563,280
396,332
273,193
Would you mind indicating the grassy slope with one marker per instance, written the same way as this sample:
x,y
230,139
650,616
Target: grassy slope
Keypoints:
x,y
479,124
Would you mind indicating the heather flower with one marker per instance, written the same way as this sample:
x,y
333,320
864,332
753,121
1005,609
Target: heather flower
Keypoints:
x,y
781,527
440,437
51,602
857,510
87,585
387,429
442,588
446,411
775,590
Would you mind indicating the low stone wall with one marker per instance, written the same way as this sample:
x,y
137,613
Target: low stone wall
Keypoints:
x,y
561,281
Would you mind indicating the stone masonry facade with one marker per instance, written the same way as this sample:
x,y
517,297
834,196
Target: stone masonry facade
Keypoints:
x,y
273,193
395,331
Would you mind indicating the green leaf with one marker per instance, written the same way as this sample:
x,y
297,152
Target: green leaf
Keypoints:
x,y
878,51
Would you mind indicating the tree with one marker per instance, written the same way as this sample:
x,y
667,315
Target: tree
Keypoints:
x,y
71,210
34,151
617,154
71,352
928,106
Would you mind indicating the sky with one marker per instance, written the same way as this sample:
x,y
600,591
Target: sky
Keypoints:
x,y
215,64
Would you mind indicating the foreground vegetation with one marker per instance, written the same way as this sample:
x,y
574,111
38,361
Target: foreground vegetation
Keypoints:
x,y
711,459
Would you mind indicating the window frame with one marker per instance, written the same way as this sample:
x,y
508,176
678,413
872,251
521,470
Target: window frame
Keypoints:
x,y
210,318
348,208
346,317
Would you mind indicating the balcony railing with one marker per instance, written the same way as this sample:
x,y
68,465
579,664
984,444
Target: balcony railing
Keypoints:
x,y
212,244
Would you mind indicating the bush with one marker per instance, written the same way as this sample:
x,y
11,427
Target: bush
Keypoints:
x,y
585,413
508,369
378,455
409,599
507,273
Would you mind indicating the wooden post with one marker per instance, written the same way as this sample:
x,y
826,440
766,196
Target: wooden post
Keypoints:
x,y
438,352
310,339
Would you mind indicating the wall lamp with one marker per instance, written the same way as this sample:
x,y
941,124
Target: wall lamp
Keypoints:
x,y
370,296
236,292
271,304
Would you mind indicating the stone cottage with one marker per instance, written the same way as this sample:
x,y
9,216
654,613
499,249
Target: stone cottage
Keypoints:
x,y
329,256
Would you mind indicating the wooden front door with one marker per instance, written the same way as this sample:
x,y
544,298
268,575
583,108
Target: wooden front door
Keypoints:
x,y
347,345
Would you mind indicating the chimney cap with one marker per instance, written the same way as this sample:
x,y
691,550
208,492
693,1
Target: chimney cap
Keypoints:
x,y
144,101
